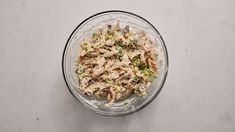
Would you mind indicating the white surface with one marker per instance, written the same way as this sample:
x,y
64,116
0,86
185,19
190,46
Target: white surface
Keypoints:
x,y
199,94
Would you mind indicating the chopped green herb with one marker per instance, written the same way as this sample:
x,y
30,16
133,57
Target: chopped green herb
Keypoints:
x,y
109,81
94,35
141,67
136,79
85,46
119,48
120,51
109,35
148,73
119,43
110,32
136,61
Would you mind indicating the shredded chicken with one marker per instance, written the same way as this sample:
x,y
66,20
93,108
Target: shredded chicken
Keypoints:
x,y
116,62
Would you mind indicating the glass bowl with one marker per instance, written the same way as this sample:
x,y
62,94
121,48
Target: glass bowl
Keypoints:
x,y
133,103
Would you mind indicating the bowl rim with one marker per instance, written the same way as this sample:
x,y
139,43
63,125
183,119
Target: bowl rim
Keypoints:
x,y
166,67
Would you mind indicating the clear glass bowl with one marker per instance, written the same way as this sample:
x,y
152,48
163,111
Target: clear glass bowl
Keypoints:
x,y
133,103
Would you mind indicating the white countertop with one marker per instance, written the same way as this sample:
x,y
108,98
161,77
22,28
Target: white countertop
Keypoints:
x,y
198,96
